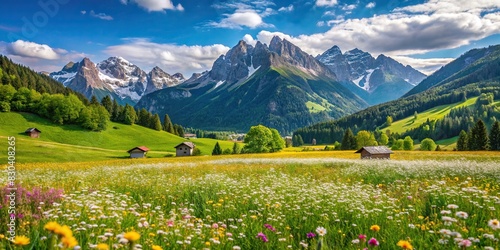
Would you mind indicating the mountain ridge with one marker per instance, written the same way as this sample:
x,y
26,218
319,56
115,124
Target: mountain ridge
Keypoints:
x,y
250,85
116,77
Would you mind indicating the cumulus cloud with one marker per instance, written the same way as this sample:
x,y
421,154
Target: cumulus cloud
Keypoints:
x,y
155,5
39,57
244,13
416,29
326,2
426,66
400,33
102,16
370,5
31,49
289,8
171,57
249,39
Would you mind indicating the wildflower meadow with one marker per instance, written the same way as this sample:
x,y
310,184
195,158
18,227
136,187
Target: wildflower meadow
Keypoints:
x,y
263,202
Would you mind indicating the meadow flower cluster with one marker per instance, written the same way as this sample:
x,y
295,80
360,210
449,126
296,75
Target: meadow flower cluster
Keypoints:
x,y
265,203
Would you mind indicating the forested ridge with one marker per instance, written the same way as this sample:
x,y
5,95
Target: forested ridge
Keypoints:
x,y
480,77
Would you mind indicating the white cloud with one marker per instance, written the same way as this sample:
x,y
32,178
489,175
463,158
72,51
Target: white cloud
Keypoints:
x,y
320,23
453,6
244,13
240,18
426,66
83,12
370,5
400,33
39,57
31,49
326,2
349,7
249,39
286,9
102,16
171,57
155,5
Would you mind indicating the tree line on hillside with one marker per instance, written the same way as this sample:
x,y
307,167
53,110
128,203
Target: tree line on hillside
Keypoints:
x,y
477,138
128,115
20,76
69,109
462,118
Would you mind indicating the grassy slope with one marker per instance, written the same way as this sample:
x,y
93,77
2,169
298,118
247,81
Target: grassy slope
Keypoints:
x,y
435,113
72,143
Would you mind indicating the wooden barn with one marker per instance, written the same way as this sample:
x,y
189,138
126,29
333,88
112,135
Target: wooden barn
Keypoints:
x,y
184,149
375,152
33,132
138,152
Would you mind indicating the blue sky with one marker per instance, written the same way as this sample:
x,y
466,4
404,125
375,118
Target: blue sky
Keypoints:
x,y
187,36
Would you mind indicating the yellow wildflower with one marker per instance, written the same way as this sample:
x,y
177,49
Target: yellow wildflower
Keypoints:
x,y
132,236
405,244
102,246
52,226
156,247
64,231
69,242
21,241
375,228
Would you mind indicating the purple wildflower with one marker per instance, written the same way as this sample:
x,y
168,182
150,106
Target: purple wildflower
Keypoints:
x,y
373,242
262,237
270,227
311,235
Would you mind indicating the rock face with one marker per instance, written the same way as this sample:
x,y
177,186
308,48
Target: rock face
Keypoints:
x,y
375,80
277,85
114,76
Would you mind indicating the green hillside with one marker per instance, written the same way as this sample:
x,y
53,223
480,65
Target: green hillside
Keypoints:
x,y
435,113
72,143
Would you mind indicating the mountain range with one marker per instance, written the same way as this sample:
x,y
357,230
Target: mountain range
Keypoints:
x,y
278,85
474,73
115,76
375,80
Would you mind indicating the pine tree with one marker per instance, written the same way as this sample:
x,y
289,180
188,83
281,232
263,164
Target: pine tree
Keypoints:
x,y
178,130
129,116
107,104
462,141
236,149
144,118
167,125
300,140
117,110
495,136
348,141
479,136
94,100
156,124
217,149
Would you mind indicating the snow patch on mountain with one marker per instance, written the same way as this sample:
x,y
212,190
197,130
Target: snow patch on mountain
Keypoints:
x,y
251,70
219,83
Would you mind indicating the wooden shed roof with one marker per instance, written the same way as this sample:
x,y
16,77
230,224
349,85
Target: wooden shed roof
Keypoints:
x,y
142,148
375,150
189,144
29,130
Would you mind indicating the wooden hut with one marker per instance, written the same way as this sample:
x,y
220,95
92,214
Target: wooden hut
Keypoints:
x,y
375,152
184,149
138,152
33,132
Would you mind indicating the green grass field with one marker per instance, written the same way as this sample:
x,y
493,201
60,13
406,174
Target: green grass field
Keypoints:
x,y
72,143
435,113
